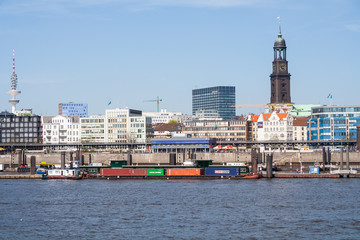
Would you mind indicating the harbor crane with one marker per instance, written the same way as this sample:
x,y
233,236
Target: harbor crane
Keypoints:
x,y
157,100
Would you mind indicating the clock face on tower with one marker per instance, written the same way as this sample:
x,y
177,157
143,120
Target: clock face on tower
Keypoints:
x,y
283,67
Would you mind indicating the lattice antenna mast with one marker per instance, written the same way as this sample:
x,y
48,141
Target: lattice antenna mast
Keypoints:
x,y
13,92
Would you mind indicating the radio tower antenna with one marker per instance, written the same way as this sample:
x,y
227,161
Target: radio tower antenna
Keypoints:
x,y
13,92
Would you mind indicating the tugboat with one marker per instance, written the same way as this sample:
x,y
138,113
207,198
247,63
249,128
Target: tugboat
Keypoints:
x,y
73,174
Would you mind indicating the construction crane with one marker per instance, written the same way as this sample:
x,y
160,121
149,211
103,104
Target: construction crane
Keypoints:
x,y
261,105
250,105
157,100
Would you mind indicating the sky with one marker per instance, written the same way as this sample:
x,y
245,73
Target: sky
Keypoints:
x,y
131,51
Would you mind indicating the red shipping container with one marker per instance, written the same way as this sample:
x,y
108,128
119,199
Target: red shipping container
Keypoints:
x,y
113,172
184,171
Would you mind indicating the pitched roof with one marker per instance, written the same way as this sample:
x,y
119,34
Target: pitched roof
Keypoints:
x,y
300,121
282,115
254,118
266,116
162,127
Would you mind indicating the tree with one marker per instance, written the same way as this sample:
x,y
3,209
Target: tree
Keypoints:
x,y
173,122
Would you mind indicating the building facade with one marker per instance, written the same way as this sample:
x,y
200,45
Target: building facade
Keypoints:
x,y
219,100
333,122
220,130
162,117
300,128
20,129
61,129
73,109
275,126
127,126
92,129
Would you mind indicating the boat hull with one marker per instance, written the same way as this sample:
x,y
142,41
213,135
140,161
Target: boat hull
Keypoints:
x,y
45,177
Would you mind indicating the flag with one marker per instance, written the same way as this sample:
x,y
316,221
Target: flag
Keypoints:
x,y
109,103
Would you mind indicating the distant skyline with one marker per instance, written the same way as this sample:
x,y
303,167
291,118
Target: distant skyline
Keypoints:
x,y
126,52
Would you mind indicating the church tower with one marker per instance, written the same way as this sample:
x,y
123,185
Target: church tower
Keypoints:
x,y
280,77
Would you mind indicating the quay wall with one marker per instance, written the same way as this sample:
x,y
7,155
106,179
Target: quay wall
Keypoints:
x,y
163,158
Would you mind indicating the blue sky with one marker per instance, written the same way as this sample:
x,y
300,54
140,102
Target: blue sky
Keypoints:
x,y
129,51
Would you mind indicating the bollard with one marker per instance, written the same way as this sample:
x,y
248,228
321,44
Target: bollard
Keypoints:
x,y
341,158
32,165
347,157
269,172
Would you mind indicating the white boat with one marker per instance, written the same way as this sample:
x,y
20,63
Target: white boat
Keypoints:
x,y
74,174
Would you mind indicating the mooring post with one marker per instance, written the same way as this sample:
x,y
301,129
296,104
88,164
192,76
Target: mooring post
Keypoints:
x,y
347,157
329,156
63,160
20,160
90,159
32,165
269,172
82,160
341,158
129,159
172,159
324,158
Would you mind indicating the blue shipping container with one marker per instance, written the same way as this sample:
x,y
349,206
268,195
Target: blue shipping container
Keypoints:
x,y
314,170
222,171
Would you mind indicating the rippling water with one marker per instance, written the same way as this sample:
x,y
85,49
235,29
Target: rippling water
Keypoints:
x,y
178,209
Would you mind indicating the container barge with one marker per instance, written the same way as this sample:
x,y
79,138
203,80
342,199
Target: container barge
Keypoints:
x,y
202,169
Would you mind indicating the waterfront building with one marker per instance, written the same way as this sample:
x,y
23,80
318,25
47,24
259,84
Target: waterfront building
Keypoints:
x,y
333,122
127,126
300,128
252,134
166,130
61,129
92,129
220,130
275,126
280,77
216,101
162,117
73,109
20,129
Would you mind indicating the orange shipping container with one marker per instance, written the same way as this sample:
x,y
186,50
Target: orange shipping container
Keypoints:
x,y
184,171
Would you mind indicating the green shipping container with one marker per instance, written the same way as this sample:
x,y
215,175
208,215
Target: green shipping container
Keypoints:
x,y
155,172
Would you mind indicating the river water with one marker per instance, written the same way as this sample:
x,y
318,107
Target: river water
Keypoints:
x,y
179,209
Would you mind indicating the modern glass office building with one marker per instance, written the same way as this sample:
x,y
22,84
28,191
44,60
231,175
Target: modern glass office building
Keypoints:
x,y
73,109
333,122
219,99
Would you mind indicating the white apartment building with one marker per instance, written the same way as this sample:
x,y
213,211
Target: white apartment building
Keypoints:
x,y
92,129
162,117
61,129
275,126
126,126
300,128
